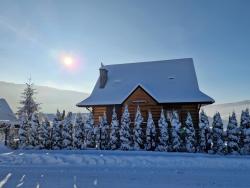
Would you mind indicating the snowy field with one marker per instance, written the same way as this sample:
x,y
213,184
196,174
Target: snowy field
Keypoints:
x,y
89,168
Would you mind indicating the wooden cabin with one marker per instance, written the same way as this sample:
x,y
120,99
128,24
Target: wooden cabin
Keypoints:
x,y
168,84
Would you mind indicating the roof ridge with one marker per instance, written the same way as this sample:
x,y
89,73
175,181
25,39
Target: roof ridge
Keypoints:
x,y
158,61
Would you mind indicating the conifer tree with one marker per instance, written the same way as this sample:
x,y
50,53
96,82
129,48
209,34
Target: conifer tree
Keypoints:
x,y
245,132
205,140
125,136
189,134
67,132
79,134
217,136
114,133
150,133
104,130
232,135
163,136
175,132
28,104
34,126
23,131
138,133
89,131
57,129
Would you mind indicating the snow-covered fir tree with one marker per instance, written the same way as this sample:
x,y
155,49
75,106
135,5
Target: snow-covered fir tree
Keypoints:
x,y
89,131
45,136
125,136
28,103
79,134
217,135
67,132
189,134
163,136
114,142
104,132
57,129
232,135
97,133
175,132
34,126
245,132
23,131
138,133
150,133
205,140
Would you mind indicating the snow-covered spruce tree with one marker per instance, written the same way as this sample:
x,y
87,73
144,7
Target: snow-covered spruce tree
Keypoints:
x,y
67,132
150,133
23,131
28,104
44,135
138,133
232,135
205,140
175,132
97,132
189,134
79,134
114,142
104,132
125,136
57,129
217,135
34,127
245,132
89,131
163,136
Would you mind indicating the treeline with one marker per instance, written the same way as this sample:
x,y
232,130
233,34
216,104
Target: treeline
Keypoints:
x,y
68,132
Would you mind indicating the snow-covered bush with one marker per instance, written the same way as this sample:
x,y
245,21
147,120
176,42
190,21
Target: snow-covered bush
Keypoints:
x,y
138,133
205,140
57,129
245,132
114,142
232,135
189,134
23,131
217,135
67,132
175,132
163,134
150,133
125,136
79,134
89,131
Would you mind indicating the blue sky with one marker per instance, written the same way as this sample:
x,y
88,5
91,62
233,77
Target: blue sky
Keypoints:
x,y
216,34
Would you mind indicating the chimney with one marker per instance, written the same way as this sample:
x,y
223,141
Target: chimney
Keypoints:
x,y
103,76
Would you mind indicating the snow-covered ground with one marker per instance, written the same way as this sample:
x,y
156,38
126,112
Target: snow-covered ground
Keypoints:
x,y
90,168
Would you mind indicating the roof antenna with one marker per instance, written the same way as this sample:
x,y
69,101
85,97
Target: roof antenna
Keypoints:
x,y
102,65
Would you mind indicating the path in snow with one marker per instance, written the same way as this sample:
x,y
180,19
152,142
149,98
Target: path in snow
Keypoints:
x,y
76,169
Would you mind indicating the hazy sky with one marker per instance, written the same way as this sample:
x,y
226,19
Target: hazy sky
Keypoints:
x,y
36,35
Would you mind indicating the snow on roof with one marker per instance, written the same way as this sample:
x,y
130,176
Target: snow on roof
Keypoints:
x,y
167,81
6,114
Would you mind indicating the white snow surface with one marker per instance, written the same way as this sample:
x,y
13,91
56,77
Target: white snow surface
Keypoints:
x,y
171,78
91,168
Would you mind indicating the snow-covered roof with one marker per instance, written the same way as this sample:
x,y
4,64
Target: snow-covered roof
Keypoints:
x,y
167,81
6,114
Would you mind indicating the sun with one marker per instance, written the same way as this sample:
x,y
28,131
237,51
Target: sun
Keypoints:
x,y
68,61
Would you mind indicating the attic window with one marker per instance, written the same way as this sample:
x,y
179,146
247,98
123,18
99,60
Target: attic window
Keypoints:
x,y
171,77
